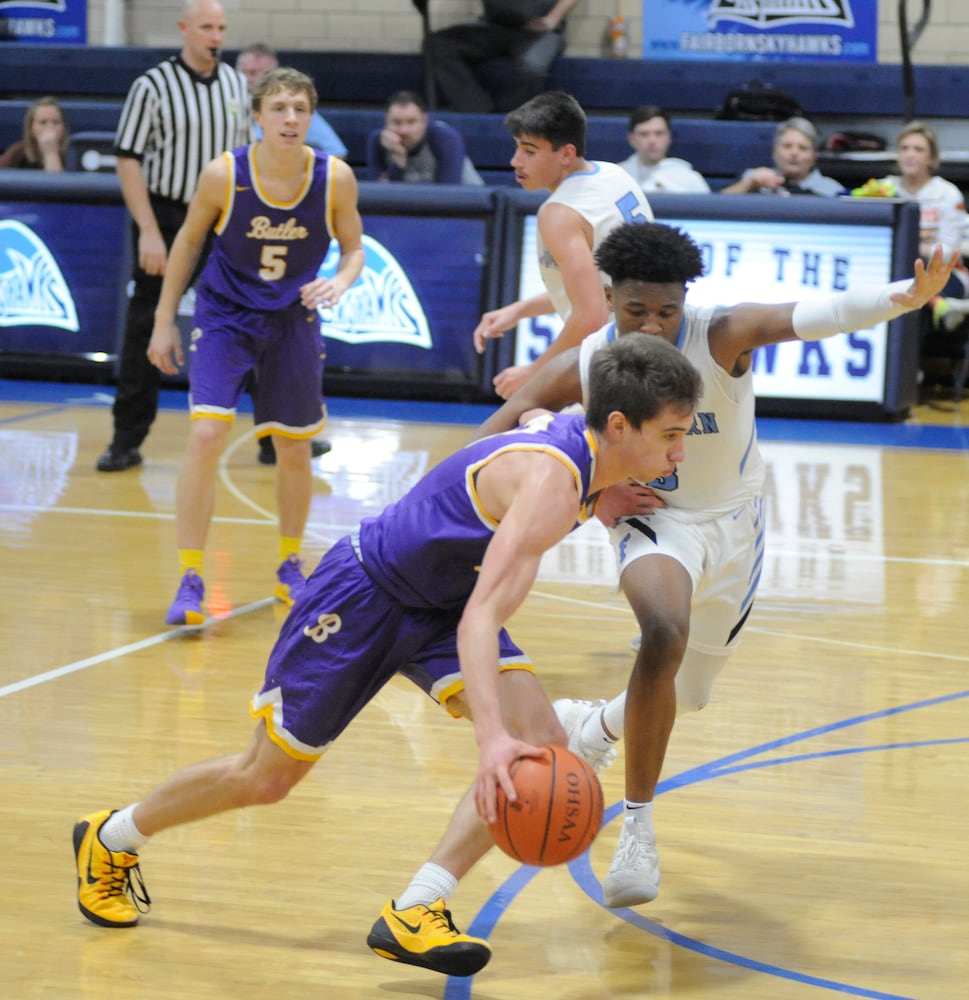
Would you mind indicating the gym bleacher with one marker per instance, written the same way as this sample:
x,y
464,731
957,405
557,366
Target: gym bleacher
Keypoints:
x,y
93,80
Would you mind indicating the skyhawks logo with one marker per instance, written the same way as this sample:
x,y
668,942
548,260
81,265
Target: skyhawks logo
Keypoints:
x,y
381,306
33,291
771,13
58,6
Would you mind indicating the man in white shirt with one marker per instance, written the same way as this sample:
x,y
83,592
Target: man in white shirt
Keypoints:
x,y
650,136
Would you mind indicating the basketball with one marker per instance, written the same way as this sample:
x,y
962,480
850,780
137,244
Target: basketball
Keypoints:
x,y
558,811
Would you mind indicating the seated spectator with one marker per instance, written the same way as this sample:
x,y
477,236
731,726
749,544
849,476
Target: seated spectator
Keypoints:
x,y
416,148
796,144
942,214
46,135
255,60
650,136
531,33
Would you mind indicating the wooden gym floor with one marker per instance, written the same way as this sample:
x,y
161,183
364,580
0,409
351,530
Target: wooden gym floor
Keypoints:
x,y
812,822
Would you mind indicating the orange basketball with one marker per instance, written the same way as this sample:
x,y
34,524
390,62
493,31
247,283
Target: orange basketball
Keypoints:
x,y
558,811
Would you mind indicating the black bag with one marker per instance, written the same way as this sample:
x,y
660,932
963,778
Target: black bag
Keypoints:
x,y
847,142
758,102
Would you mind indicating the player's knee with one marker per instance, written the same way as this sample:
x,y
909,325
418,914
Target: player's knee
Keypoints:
x,y
206,437
265,778
289,450
663,642
695,679
526,710
264,789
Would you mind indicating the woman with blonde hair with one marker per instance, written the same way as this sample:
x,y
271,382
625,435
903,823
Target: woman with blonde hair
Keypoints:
x,y
46,134
942,213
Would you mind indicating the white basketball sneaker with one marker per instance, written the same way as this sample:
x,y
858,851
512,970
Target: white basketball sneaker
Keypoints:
x,y
633,876
572,713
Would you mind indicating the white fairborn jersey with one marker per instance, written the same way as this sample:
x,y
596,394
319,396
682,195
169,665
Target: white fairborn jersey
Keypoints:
x,y
723,467
605,196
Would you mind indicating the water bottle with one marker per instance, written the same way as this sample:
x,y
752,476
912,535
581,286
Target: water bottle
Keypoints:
x,y
618,40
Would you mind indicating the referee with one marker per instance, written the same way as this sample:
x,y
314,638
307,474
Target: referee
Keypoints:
x,y
177,117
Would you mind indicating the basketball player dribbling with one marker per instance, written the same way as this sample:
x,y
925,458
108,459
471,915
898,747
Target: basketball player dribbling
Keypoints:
x,y
397,597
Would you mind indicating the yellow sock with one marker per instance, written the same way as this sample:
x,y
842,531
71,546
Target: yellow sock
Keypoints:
x,y
289,547
190,559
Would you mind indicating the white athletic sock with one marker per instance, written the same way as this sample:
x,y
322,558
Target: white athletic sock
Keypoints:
x,y
614,716
639,812
119,832
593,735
431,883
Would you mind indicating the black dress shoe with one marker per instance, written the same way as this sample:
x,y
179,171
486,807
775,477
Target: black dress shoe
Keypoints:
x,y
118,459
267,451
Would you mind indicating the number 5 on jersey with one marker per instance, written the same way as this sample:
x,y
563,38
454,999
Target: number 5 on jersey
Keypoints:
x,y
273,261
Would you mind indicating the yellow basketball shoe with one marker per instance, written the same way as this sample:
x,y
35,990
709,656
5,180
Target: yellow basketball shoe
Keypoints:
x,y
426,936
110,889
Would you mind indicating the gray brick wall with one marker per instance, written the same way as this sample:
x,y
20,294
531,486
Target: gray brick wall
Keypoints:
x,y
394,25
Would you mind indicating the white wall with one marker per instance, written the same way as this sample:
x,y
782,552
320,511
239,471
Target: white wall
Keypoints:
x,y
395,26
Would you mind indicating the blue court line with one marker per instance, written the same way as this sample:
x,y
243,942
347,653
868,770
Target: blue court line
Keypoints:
x,y
900,435
580,869
341,407
906,435
711,769
800,758
586,880
33,415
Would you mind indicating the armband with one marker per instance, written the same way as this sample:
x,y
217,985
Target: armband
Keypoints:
x,y
845,312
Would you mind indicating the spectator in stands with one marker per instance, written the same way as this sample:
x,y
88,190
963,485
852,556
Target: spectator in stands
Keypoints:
x,y
796,144
942,213
414,147
46,135
650,135
255,60
531,33
177,117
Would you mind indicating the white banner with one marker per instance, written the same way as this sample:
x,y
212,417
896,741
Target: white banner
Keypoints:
x,y
762,261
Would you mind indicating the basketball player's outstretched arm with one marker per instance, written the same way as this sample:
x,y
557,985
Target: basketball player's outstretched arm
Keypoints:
x,y
736,331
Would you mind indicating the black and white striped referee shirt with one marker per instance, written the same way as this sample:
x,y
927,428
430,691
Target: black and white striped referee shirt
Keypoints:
x,y
175,121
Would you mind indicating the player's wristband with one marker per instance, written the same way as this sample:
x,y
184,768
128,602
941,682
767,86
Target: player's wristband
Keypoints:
x,y
815,319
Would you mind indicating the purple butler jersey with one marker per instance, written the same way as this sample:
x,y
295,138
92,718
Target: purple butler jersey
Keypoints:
x,y
388,599
265,251
425,550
